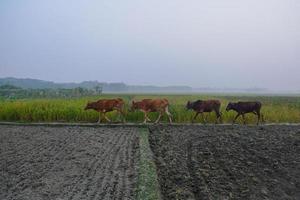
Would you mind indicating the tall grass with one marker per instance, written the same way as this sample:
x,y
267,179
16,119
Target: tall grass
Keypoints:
x,y
275,109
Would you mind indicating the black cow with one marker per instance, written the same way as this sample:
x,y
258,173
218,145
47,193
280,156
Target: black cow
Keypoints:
x,y
201,106
245,107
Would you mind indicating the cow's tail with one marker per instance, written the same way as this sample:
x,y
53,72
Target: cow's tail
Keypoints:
x,y
220,117
262,118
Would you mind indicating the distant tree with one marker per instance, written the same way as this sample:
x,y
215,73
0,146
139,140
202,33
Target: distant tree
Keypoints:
x,y
78,91
9,87
98,89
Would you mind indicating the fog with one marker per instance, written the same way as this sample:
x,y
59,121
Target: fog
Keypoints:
x,y
212,43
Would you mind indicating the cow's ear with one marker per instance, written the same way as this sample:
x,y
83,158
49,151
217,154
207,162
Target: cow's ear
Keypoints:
x,y
132,102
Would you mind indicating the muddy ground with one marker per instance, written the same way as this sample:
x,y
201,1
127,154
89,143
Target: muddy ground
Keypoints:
x,y
227,162
39,162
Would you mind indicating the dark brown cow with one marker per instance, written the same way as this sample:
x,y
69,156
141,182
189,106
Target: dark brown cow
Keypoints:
x,y
107,105
201,106
245,107
152,105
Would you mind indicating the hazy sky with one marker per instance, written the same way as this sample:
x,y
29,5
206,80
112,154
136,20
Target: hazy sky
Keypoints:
x,y
200,43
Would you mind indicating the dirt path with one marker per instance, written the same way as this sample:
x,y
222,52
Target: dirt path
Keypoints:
x,y
227,162
68,162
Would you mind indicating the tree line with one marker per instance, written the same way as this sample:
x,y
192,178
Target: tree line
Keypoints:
x,y
13,92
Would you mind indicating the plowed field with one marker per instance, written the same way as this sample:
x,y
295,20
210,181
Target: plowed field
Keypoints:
x,y
191,161
227,162
68,162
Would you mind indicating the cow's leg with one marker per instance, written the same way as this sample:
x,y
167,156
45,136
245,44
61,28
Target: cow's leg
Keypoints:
x,y
236,118
145,117
218,115
148,119
100,116
203,118
160,114
206,117
258,117
122,112
121,117
106,118
197,113
169,114
244,120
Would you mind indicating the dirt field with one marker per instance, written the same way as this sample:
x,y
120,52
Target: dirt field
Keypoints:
x,y
68,162
227,162
193,162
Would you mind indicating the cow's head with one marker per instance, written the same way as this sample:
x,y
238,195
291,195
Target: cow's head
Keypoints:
x,y
89,105
229,106
188,105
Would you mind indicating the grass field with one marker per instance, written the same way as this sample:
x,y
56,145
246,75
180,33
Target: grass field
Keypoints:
x,y
276,109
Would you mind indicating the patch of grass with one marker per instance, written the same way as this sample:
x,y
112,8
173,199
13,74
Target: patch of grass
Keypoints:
x,y
148,187
276,109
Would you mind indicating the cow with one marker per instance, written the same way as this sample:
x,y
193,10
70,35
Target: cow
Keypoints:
x,y
201,106
107,105
245,107
152,105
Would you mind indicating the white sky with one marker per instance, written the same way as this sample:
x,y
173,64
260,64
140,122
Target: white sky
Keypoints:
x,y
211,43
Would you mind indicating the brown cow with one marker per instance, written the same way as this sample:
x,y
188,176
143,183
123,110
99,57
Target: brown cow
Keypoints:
x,y
152,105
201,106
107,105
245,107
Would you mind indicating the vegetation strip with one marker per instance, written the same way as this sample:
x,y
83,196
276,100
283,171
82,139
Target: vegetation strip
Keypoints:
x,y
148,187
55,124
275,109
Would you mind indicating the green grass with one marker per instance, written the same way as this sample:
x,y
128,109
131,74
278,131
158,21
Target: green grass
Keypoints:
x,y
276,109
148,187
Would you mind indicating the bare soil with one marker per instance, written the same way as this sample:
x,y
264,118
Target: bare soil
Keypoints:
x,y
227,162
39,162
